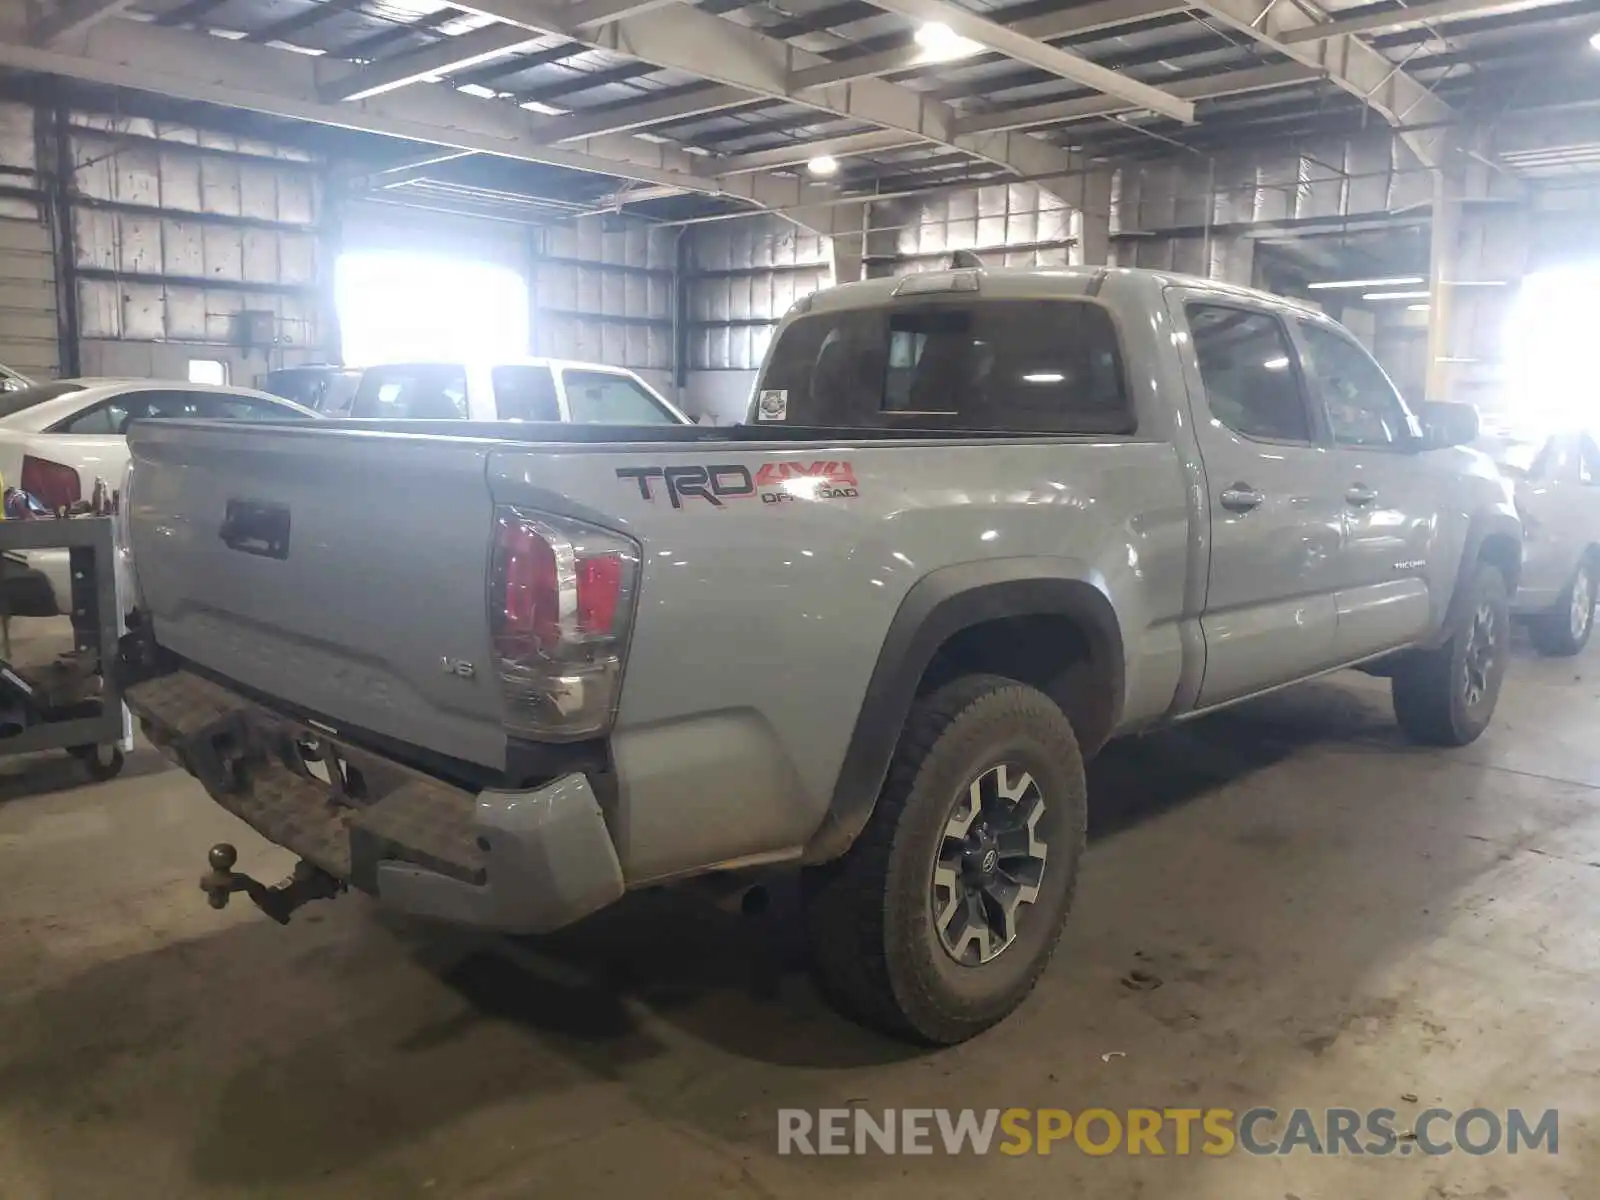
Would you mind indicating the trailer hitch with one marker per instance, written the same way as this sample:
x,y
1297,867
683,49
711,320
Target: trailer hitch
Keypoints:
x,y
306,883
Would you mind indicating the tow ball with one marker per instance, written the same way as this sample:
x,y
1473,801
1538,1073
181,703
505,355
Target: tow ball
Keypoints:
x,y
306,883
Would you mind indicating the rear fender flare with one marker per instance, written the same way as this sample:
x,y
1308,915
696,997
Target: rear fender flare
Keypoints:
x,y
936,608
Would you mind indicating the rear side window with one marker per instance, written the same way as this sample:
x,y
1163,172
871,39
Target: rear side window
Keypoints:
x,y
412,392
601,398
1247,368
223,407
525,394
1015,366
15,401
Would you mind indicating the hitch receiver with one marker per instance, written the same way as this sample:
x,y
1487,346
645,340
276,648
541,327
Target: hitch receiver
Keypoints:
x,y
308,882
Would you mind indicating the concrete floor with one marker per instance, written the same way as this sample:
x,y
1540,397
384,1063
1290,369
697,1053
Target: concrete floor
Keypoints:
x,y
1336,918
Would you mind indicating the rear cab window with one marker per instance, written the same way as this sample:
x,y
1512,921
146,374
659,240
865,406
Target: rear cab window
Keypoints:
x,y
525,393
412,392
1004,365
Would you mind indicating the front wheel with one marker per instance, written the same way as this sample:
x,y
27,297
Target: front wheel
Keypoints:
x,y
1446,696
939,919
1563,630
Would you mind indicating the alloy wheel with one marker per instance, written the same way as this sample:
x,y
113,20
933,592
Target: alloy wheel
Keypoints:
x,y
1483,649
1582,610
990,864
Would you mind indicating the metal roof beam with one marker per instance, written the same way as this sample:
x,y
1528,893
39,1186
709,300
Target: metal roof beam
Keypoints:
x,y
639,115
1019,46
687,39
444,57
1416,14
1057,112
1348,62
194,66
800,152
1103,14
73,16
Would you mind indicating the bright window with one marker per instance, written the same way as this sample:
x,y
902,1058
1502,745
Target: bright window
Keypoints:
x,y
399,307
208,370
1548,349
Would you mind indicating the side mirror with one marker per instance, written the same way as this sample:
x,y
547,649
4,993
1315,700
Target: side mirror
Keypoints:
x,y
1445,423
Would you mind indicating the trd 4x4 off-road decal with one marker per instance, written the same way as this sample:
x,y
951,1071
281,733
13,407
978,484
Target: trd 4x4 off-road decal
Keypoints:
x,y
774,482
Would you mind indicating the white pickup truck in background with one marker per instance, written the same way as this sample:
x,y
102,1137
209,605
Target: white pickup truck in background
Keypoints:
x,y
532,389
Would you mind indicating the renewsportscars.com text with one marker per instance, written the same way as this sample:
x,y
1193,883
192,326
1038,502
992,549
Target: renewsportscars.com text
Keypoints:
x,y
1212,1132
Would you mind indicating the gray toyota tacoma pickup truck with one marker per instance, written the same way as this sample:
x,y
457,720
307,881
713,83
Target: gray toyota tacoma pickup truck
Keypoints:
x,y
978,523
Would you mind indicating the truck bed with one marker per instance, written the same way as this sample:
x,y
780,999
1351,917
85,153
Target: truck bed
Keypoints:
x,y
364,616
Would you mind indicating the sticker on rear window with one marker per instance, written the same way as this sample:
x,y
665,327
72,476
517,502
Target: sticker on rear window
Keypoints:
x,y
772,405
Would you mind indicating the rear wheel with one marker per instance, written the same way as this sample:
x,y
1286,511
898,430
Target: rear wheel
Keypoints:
x,y
1446,696
1563,630
940,918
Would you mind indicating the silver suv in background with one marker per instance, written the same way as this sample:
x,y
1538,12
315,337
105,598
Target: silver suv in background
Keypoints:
x,y
1557,480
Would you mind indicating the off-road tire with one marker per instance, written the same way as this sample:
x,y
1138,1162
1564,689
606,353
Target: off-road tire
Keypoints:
x,y
1551,631
875,948
1431,689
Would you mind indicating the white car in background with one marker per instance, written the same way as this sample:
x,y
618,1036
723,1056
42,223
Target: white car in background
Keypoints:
x,y
57,439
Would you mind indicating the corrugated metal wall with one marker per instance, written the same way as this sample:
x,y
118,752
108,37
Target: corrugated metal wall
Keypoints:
x,y
602,291
740,278
1188,214
178,231
28,333
1016,225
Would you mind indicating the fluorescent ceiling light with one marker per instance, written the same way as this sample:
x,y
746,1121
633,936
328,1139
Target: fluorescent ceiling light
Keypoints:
x,y
1595,41
1043,377
1394,281
1395,296
1419,307
823,165
939,43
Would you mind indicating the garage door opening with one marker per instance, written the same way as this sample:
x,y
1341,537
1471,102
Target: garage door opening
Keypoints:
x,y
398,307
1548,350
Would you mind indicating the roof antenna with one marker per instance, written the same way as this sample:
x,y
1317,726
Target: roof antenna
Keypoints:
x,y
965,260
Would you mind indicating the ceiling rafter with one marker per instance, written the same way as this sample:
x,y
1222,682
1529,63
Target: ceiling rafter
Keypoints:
x,y
1078,108
1348,62
1050,27
1057,61
198,67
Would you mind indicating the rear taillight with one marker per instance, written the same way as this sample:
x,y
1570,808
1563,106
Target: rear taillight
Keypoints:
x,y
560,602
56,485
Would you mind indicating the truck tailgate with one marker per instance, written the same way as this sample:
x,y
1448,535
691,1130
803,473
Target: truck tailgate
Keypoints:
x,y
340,571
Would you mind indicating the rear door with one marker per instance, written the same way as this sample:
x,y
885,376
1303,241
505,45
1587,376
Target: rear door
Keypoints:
x,y
1275,516
1390,491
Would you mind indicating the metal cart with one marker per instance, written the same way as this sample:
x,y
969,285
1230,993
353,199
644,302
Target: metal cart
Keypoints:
x,y
89,721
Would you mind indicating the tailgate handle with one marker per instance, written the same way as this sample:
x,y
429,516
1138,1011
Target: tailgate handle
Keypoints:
x,y
255,528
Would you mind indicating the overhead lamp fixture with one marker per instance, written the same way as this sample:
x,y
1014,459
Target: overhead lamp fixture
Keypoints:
x,y
1594,40
1419,308
1394,281
939,43
1395,296
823,166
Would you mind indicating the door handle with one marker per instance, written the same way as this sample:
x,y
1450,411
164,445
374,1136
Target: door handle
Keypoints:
x,y
1240,498
1359,495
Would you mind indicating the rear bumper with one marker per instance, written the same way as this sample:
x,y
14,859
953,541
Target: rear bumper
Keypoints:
x,y
520,861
